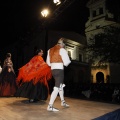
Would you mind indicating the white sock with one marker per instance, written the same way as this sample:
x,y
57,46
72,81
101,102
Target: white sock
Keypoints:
x,y
61,92
53,96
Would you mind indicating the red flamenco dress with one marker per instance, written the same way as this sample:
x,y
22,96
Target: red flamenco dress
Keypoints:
x,y
33,79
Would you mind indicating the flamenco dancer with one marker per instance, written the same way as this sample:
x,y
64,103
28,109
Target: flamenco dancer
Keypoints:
x,y
7,78
32,79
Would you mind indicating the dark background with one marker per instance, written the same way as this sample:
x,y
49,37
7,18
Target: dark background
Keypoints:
x,y
21,18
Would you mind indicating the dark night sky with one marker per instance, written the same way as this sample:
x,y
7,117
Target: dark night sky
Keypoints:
x,y
18,17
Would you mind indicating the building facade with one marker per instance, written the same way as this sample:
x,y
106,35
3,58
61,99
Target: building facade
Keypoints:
x,y
99,17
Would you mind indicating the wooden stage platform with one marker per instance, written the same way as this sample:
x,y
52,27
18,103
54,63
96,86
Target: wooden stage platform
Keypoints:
x,y
12,108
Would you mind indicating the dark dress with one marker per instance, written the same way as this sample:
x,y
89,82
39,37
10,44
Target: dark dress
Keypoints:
x,y
7,80
30,90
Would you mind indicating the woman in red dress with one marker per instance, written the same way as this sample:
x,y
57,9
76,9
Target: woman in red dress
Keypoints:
x,y
33,79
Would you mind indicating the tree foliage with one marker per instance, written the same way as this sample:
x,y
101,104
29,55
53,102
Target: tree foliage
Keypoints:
x,y
105,45
114,7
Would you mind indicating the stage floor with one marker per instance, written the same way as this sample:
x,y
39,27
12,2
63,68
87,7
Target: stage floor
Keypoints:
x,y
13,108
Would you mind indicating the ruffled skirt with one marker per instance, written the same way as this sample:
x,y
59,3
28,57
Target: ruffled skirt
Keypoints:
x,y
32,91
7,83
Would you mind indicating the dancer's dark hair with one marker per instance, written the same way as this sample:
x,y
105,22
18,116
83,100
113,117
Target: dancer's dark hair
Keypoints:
x,y
37,51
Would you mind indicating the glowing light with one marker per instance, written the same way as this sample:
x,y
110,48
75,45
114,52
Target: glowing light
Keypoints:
x,y
45,13
57,2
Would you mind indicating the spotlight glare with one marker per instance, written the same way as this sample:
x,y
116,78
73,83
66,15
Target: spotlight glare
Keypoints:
x,y
57,2
45,13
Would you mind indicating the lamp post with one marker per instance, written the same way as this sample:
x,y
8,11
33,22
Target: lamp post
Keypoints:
x,y
45,13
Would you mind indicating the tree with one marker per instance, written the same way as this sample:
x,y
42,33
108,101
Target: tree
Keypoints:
x,y
105,46
114,7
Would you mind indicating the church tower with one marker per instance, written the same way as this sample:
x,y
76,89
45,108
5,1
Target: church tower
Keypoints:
x,y
99,17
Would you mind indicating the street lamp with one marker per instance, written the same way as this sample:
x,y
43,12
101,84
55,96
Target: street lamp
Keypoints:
x,y
45,12
57,2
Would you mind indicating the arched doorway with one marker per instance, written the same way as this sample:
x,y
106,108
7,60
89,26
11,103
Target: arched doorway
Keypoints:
x,y
100,77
